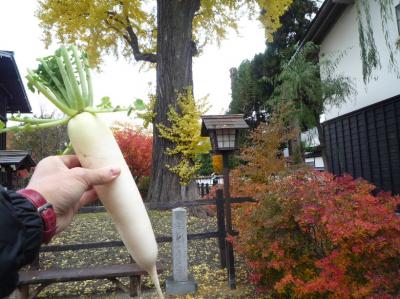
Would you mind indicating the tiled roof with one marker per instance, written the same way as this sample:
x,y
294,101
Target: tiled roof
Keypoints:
x,y
325,19
20,159
11,84
212,122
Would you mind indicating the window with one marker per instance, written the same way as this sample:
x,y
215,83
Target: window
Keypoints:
x,y
398,17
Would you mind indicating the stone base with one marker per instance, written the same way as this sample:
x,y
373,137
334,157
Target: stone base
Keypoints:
x,y
180,287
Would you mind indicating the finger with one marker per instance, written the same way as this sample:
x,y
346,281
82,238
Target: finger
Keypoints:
x,y
96,176
87,198
70,161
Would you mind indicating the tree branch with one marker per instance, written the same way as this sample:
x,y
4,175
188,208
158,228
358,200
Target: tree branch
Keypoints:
x,y
194,48
131,37
114,16
114,28
197,4
133,40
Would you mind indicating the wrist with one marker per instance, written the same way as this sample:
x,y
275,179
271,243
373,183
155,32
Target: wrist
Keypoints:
x,y
45,210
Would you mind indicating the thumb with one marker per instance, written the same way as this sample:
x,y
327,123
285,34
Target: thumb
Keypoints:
x,y
87,197
98,176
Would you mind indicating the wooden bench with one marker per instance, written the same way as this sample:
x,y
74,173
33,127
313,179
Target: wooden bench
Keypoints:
x,y
44,278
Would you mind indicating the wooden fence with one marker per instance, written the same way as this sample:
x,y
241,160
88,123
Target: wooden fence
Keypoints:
x,y
220,233
204,189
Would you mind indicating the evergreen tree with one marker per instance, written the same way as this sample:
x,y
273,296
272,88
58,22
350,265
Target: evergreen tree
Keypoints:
x,y
253,82
301,87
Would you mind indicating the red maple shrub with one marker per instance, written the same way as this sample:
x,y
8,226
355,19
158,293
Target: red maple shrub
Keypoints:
x,y
136,146
311,235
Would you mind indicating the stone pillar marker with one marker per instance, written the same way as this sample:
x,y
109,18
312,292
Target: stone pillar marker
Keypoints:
x,y
181,282
179,244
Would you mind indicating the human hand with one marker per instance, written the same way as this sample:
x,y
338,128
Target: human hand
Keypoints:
x,y
67,186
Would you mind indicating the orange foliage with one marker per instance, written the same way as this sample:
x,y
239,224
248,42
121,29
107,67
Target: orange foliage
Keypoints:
x,y
264,157
217,163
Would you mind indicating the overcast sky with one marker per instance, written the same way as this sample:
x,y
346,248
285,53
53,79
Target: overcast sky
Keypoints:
x,y
120,80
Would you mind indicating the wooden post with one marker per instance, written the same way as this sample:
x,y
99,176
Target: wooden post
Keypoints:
x,y
135,288
22,292
3,117
221,227
9,181
135,284
35,264
230,259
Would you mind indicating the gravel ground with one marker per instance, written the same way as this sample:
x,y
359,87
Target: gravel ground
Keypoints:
x,y
95,227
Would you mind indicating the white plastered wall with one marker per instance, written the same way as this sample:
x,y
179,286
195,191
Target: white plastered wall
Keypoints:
x,y
343,38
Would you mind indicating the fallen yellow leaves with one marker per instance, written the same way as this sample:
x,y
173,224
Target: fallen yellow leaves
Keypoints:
x,y
203,260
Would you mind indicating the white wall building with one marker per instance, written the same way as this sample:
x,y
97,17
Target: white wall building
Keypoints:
x,y
363,135
343,37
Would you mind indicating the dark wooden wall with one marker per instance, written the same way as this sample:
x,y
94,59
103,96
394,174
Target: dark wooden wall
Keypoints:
x,y
366,143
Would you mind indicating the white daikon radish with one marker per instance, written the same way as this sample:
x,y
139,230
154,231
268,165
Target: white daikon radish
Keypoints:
x,y
64,79
96,147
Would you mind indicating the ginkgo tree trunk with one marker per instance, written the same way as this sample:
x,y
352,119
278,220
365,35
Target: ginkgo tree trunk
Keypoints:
x,y
162,32
174,73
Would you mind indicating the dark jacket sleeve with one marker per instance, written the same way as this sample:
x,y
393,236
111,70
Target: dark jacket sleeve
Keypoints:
x,y
20,237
